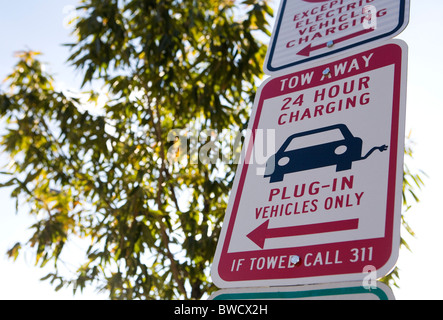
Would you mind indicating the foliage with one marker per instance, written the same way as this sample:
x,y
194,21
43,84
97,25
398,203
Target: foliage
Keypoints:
x,y
412,182
104,174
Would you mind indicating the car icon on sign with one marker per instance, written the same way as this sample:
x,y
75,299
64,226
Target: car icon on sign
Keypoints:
x,y
327,146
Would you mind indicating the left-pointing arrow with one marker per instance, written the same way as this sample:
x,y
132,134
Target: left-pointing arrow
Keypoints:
x,y
306,51
260,234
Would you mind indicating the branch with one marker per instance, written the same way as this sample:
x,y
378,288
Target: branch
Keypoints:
x,y
156,124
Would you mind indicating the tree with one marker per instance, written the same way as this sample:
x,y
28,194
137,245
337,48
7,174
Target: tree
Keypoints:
x,y
121,175
106,175
412,182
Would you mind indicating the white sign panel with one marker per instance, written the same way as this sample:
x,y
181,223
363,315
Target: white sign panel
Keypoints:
x,y
317,197
310,29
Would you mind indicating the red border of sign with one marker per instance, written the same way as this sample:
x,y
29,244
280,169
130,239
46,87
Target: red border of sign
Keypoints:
x,y
388,54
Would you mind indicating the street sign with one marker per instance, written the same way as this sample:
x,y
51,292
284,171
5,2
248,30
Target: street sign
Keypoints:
x,y
332,291
317,195
311,29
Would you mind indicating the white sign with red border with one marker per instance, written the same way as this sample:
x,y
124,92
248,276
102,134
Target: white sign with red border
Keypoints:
x,y
311,29
317,196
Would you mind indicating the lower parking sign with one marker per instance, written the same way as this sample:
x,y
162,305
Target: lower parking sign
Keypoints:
x,y
317,195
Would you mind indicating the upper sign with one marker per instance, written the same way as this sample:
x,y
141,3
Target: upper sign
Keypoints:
x,y
310,29
317,195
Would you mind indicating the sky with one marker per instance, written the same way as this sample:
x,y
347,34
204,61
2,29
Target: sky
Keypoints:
x,y
40,26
